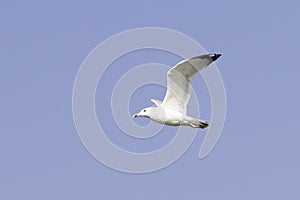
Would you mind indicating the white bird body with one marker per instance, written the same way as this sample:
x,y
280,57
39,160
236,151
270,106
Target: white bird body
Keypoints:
x,y
166,116
172,110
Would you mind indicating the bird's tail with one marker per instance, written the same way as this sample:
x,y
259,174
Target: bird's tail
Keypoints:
x,y
196,123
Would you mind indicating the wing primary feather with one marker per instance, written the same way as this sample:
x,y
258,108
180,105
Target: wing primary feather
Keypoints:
x,y
179,80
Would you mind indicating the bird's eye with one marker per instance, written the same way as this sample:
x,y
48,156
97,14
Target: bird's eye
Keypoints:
x,y
144,110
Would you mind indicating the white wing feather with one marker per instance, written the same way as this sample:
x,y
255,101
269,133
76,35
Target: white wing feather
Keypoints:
x,y
156,102
179,79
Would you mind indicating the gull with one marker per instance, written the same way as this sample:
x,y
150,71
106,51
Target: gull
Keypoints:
x,y
172,110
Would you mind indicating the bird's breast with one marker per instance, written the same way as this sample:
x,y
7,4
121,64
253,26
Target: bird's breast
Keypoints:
x,y
170,118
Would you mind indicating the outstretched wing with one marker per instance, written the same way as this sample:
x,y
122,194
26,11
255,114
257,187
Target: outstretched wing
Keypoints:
x,y
179,79
156,102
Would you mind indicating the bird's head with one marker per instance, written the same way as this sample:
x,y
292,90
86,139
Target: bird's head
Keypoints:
x,y
143,113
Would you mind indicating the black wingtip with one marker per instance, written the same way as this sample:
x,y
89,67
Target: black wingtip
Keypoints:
x,y
215,56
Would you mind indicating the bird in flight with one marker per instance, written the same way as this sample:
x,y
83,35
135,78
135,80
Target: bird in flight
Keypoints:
x,y
172,110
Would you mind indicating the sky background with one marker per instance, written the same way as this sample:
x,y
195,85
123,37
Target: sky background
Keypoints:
x,y
42,45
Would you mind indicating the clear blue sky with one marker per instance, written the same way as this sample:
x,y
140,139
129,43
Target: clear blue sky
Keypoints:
x,y
43,45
